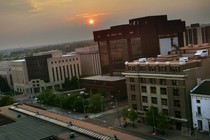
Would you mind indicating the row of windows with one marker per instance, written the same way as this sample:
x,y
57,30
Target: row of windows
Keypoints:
x,y
155,68
154,100
177,114
153,90
61,61
155,81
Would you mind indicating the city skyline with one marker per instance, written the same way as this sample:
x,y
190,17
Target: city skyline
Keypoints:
x,y
29,23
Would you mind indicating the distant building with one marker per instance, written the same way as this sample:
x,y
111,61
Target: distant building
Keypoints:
x,y
197,34
142,37
5,72
90,60
200,99
44,69
165,82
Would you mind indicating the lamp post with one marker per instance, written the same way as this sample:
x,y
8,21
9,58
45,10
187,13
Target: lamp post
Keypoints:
x,y
116,104
153,118
102,103
83,99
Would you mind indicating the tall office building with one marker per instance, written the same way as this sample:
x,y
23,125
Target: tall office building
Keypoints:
x,y
165,82
142,37
197,34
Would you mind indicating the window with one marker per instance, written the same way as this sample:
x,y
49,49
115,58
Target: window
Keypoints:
x,y
144,99
176,92
200,125
176,103
164,102
152,80
133,97
162,68
199,110
133,88
131,79
145,108
198,101
177,114
162,81
153,90
175,82
143,80
154,100
163,91
165,111
134,106
143,89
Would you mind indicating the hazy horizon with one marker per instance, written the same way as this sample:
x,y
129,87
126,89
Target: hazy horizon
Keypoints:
x,y
29,23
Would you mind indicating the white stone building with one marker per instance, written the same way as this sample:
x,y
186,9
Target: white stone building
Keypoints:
x,y
200,100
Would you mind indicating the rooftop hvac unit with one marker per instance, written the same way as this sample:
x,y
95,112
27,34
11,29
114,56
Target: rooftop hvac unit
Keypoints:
x,y
141,60
183,59
202,53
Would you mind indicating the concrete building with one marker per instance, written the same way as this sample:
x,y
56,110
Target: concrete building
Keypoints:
x,y
200,99
130,41
165,82
5,72
90,60
197,34
44,70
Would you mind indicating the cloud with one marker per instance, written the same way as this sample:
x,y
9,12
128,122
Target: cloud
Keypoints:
x,y
85,15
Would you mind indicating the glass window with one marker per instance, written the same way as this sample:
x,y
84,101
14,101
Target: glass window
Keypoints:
x,y
133,88
176,103
144,99
165,111
143,89
177,114
163,91
133,97
153,90
175,82
152,80
164,102
131,79
162,81
175,91
154,100
199,110
143,80
198,101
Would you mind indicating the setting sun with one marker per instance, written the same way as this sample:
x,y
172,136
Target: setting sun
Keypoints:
x,y
91,21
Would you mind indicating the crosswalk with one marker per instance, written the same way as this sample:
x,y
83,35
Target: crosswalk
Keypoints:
x,y
74,128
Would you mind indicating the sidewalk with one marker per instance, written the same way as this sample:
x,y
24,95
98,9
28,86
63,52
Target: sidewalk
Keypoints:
x,y
102,130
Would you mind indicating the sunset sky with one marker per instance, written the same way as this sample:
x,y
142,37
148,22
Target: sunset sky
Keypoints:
x,y
25,23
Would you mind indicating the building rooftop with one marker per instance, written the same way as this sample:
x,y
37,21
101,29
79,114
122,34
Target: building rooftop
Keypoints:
x,y
104,78
203,88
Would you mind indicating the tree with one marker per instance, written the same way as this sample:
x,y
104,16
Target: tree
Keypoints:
x,y
47,97
6,100
124,114
94,102
156,119
132,115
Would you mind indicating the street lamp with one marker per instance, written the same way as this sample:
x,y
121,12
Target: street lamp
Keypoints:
x,y
153,118
83,99
102,103
117,113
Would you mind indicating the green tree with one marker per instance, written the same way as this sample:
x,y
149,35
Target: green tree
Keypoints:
x,y
67,84
156,119
74,83
6,100
132,115
47,97
94,102
124,114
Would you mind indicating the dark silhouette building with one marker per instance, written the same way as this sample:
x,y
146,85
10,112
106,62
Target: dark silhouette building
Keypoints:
x,y
142,37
